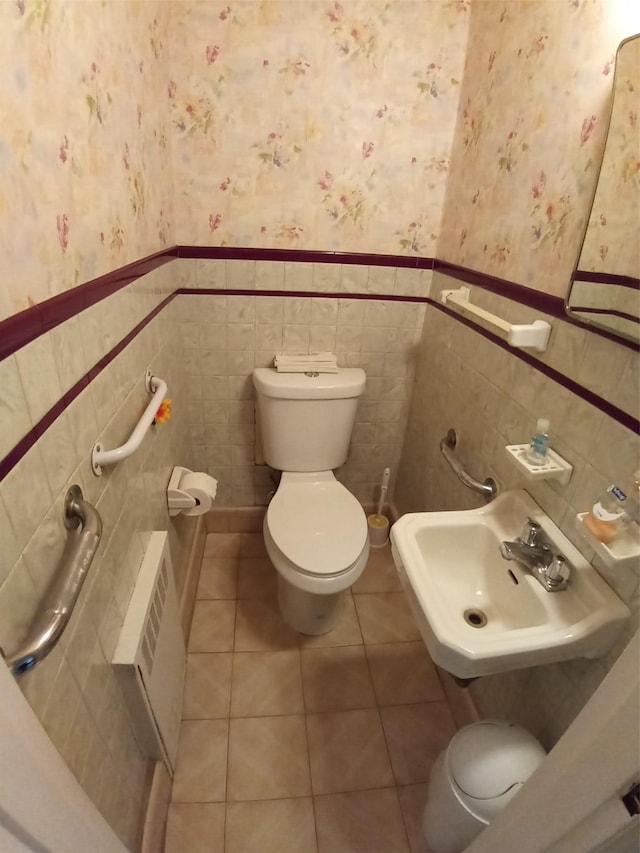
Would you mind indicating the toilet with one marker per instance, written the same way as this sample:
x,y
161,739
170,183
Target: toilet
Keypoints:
x,y
315,530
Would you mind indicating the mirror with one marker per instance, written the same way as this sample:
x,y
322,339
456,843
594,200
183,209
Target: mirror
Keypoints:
x,y
605,288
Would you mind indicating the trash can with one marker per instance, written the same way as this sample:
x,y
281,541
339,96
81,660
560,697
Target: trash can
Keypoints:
x,y
483,767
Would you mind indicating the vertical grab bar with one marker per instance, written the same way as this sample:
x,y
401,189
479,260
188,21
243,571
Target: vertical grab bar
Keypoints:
x,y
85,529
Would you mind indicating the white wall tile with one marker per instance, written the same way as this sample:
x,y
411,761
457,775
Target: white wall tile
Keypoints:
x,y
241,275
39,375
270,275
211,273
14,413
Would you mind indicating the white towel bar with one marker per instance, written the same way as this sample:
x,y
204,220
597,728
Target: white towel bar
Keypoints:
x,y
532,335
100,456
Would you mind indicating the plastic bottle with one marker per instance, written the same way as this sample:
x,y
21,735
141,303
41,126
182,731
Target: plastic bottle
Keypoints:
x,y
537,452
614,510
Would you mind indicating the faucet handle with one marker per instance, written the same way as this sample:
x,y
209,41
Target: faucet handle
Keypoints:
x,y
559,570
530,532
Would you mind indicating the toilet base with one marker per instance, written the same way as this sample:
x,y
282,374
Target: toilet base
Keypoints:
x,y
308,612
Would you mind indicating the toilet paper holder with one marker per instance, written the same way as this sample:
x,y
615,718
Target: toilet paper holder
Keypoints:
x,y
179,500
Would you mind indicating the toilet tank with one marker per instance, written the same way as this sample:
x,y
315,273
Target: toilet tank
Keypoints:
x,y
305,421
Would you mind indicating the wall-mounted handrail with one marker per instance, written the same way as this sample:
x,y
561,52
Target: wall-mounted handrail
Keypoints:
x,y
488,489
100,456
530,335
85,529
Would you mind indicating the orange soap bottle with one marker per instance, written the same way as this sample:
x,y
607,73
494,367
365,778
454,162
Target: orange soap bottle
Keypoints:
x,y
614,510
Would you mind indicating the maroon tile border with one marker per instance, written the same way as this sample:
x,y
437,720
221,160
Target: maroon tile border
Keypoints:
x,y
28,441
624,418
307,294
607,278
22,328
553,305
585,309
304,256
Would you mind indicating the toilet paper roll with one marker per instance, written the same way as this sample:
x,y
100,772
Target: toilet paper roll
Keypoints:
x,y
200,486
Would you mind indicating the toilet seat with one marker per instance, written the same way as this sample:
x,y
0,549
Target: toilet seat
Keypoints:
x,y
316,524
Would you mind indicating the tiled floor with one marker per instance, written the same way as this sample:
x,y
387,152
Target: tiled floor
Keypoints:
x,y
294,744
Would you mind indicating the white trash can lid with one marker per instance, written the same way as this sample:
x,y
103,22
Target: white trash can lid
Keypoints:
x,y
487,760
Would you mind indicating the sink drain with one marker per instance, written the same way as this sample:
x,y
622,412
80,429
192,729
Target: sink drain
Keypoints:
x,y
475,618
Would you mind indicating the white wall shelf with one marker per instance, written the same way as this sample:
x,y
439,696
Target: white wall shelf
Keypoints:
x,y
554,468
623,551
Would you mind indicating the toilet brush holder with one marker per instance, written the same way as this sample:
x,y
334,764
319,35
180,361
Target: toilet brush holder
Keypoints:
x,y
378,530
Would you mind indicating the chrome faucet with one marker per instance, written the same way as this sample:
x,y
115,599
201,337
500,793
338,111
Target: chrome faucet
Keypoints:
x,y
535,551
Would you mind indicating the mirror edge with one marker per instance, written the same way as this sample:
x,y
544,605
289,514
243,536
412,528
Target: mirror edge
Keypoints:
x,y
574,317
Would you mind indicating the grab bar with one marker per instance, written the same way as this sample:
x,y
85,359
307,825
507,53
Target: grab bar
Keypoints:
x,y
85,526
488,489
533,335
100,456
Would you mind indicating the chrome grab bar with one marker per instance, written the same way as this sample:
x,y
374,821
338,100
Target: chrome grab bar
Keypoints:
x,y
85,529
488,489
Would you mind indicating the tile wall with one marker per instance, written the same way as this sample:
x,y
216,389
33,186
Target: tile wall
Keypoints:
x,y
73,691
492,399
225,337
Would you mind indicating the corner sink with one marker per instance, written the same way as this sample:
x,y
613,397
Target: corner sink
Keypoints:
x,y
480,614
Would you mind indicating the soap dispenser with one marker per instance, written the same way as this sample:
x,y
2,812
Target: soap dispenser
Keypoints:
x,y
539,446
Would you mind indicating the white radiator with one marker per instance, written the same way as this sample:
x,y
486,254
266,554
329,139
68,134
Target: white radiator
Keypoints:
x,y
149,659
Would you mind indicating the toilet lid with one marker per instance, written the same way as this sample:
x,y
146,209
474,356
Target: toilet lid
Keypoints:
x,y
317,524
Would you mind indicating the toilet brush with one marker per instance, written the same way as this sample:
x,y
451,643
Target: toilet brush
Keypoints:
x,y
378,523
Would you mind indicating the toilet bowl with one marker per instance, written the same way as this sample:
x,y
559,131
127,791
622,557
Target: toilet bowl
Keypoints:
x,y
316,536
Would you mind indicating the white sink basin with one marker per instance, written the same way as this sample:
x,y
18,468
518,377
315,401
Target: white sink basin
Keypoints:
x,y
450,565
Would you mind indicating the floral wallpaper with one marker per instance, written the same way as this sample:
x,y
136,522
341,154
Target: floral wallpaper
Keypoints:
x,y
83,142
533,114
612,243
318,125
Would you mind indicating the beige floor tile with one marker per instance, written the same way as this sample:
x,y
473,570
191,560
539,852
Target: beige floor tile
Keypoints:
x,y
252,545
346,632
223,545
257,578
336,679
403,673
201,767
412,802
260,627
273,826
266,683
385,617
348,752
207,688
415,735
212,628
218,578
360,822
195,827
380,574
268,758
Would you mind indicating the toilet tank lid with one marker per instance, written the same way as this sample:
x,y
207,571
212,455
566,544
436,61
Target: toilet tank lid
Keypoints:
x,y
347,382
487,759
